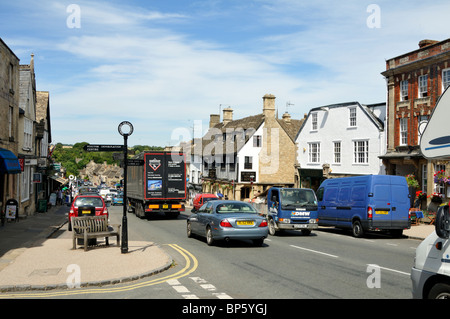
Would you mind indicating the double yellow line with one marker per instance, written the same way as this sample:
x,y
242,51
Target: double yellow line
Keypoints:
x,y
191,266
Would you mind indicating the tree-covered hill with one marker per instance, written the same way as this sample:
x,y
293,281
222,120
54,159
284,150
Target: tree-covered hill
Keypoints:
x,y
74,158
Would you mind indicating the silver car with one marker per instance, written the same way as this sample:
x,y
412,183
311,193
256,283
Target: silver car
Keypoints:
x,y
226,220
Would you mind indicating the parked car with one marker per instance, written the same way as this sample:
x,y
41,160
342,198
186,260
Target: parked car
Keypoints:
x,y
117,199
365,203
87,205
226,220
201,199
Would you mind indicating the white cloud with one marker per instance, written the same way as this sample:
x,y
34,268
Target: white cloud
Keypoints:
x,y
141,64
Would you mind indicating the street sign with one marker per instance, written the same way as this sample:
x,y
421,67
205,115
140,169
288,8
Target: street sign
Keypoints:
x,y
103,148
135,162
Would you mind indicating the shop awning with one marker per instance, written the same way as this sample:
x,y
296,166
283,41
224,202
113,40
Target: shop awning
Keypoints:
x,y
60,179
9,163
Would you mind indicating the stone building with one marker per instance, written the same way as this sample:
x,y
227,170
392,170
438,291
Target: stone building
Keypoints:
x,y
415,81
242,158
27,152
99,174
9,124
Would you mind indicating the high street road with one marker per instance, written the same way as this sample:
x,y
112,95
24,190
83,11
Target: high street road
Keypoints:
x,y
327,264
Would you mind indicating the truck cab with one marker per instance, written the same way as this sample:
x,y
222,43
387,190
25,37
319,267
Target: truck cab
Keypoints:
x,y
292,208
430,274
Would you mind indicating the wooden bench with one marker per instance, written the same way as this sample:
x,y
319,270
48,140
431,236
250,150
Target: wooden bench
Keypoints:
x,y
88,227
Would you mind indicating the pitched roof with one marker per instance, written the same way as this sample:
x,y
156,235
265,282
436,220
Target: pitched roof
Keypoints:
x,y
235,131
212,144
365,108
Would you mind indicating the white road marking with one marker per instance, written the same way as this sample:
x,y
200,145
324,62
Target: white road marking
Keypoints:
x,y
389,269
202,283
315,251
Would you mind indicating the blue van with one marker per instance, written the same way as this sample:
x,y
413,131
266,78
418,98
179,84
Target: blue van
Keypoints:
x,y
365,203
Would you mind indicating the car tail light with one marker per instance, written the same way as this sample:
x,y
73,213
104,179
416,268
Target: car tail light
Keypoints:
x,y
369,212
225,223
263,223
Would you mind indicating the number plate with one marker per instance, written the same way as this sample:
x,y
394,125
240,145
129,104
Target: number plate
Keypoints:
x,y
381,212
86,212
245,222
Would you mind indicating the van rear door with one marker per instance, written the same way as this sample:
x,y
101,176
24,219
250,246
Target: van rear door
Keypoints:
x,y
381,202
400,203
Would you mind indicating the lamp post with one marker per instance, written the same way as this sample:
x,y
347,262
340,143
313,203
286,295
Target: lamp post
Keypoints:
x,y
125,129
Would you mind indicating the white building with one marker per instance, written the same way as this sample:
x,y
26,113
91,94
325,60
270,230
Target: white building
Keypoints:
x,y
242,158
341,140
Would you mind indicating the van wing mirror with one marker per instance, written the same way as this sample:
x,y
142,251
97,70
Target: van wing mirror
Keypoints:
x,y
442,225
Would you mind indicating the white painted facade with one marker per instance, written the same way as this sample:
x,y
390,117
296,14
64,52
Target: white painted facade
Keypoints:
x,y
251,151
348,137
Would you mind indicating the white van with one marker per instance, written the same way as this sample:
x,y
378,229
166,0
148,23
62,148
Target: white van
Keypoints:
x,y
431,272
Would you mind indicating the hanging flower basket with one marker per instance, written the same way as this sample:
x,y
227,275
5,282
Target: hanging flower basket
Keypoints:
x,y
441,178
412,181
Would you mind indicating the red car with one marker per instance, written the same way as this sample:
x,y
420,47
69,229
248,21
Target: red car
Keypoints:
x,y
200,199
85,204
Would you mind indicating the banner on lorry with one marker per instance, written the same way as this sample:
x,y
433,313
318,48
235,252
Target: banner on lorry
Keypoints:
x,y
165,175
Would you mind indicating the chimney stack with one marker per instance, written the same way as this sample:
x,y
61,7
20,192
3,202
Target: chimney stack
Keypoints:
x,y
214,119
227,115
286,117
269,106
426,42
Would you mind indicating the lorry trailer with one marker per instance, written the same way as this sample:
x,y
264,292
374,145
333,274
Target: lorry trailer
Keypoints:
x,y
157,186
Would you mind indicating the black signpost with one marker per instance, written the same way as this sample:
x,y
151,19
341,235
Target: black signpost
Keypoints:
x,y
125,133
135,162
125,129
103,148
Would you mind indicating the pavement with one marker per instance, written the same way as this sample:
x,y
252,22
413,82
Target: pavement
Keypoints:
x,y
36,254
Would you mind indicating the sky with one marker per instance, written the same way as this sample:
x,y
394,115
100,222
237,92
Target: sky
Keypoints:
x,y
166,65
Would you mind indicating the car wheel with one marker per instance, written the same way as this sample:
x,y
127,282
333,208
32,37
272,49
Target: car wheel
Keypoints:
x,y
357,229
189,230
70,226
272,229
209,236
440,291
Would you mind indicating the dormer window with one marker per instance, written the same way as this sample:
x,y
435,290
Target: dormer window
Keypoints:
x,y
314,121
352,117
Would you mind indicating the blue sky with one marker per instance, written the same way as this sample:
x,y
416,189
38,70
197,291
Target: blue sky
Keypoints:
x,y
165,65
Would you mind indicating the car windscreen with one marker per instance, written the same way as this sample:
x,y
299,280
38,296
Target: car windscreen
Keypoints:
x,y
297,198
88,201
235,208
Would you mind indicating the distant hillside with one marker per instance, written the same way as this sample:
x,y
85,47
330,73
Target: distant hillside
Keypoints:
x,y
74,158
